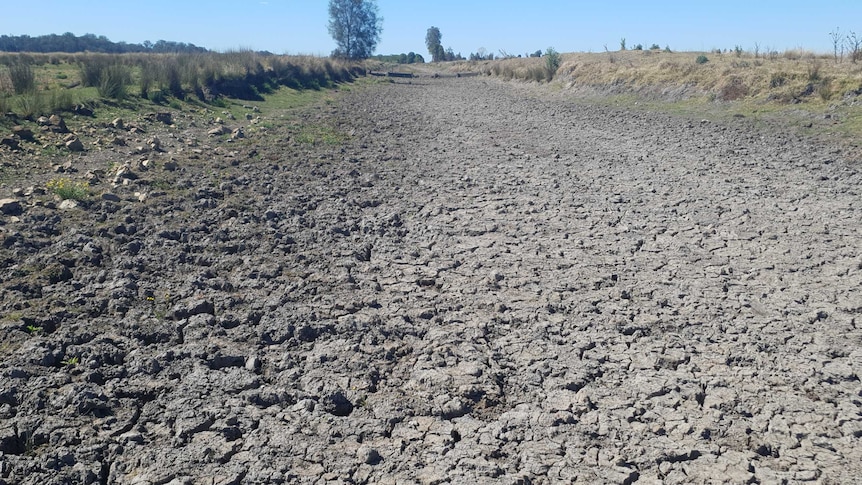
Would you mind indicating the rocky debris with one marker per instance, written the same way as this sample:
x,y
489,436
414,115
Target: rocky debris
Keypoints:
x,y
165,117
54,124
155,143
613,301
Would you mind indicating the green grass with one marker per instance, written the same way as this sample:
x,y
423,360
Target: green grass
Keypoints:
x,y
316,134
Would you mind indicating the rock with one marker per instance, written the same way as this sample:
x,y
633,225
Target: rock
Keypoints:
x,y
337,404
193,307
10,207
110,197
22,132
218,131
10,442
118,124
9,141
74,144
171,165
253,363
56,124
81,110
237,133
368,455
124,173
455,408
165,117
155,143
68,204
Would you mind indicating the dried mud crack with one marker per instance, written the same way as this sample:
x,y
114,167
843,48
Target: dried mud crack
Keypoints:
x,y
468,283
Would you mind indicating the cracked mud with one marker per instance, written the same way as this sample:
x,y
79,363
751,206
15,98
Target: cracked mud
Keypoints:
x,y
478,283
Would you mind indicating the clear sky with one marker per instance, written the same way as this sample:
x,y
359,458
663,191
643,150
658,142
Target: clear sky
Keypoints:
x,y
517,27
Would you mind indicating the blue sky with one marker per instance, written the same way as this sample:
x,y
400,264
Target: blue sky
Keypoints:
x,y
517,27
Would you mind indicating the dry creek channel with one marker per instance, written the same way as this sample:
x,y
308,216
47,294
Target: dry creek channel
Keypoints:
x,y
480,282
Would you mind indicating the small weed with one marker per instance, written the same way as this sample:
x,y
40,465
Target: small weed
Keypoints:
x,y
67,189
34,330
71,361
701,59
159,306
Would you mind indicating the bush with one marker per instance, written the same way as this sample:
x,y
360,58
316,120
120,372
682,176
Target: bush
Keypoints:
x,y
552,63
701,59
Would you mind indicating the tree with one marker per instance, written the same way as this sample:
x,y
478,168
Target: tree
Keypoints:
x,y
356,26
433,40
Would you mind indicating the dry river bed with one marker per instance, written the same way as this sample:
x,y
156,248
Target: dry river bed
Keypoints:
x,y
477,283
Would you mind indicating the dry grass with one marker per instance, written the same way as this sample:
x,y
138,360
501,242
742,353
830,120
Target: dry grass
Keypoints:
x,y
789,77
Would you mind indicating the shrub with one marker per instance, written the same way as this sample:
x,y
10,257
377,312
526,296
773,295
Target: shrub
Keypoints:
x,y
654,47
552,63
701,59
777,79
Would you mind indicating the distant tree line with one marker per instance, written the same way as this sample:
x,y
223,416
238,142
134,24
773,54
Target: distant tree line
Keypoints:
x,y
410,58
69,42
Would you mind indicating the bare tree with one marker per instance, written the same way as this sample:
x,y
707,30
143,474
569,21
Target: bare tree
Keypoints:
x,y
836,42
854,45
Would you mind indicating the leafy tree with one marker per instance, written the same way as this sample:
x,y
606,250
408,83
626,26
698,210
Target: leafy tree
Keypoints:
x,y
433,40
356,26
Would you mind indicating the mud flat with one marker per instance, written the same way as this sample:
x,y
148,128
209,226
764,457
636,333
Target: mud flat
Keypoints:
x,y
472,284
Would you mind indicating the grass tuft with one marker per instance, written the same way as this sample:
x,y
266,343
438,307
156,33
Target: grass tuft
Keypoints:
x,y
68,189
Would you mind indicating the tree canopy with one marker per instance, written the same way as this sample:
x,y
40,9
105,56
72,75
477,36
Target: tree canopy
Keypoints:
x,y
356,26
434,42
